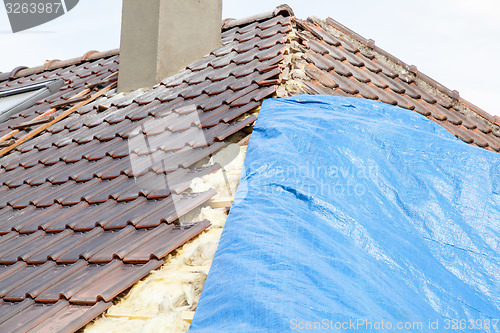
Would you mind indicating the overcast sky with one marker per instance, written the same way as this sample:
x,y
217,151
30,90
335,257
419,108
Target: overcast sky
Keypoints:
x,y
456,42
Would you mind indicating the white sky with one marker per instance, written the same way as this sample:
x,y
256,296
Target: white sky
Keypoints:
x,y
456,42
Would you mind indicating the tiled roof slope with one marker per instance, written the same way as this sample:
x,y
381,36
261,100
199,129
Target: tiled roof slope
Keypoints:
x,y
79,74
337,61
76,226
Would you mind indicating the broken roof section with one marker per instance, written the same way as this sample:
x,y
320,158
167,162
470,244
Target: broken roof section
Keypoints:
x,y
337,61
82,217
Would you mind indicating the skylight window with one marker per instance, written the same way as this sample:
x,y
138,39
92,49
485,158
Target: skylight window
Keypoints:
x,y
18,99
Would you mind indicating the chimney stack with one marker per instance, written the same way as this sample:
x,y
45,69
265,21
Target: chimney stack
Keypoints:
x,y
161,37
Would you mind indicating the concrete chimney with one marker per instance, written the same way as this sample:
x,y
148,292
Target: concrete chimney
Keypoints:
x,y
161,37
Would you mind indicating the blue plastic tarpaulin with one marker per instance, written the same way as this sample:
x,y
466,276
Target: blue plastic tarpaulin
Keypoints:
x,y
357,216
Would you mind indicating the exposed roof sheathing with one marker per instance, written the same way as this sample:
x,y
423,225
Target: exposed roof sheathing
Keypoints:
x,y
77,227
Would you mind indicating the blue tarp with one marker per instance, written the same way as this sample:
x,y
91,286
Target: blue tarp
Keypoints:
x,y
357,216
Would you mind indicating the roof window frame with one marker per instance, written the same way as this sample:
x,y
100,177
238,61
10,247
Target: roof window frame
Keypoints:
x,y
43,90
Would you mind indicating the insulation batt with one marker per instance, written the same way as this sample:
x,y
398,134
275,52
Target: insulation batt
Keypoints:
x,y
156,303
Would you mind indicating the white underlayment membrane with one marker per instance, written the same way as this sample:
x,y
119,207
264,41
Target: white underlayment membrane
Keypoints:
x,y
161,301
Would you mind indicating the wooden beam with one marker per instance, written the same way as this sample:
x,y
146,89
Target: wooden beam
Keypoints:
x,y
43,115
235,172
187,316
120,313
60,117
221,203
52,110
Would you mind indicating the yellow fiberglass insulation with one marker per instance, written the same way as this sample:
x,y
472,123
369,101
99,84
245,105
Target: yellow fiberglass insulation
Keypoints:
x,y
163,300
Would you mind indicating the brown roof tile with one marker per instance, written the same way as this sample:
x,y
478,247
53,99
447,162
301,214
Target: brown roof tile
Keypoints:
x,y
78,223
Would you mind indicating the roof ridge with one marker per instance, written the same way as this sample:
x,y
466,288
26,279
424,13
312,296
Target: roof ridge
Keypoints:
x,y
55,64
20,71
370,43
283,9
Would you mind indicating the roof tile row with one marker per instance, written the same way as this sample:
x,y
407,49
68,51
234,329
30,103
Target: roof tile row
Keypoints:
x,y
32,316
98,246
108,214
